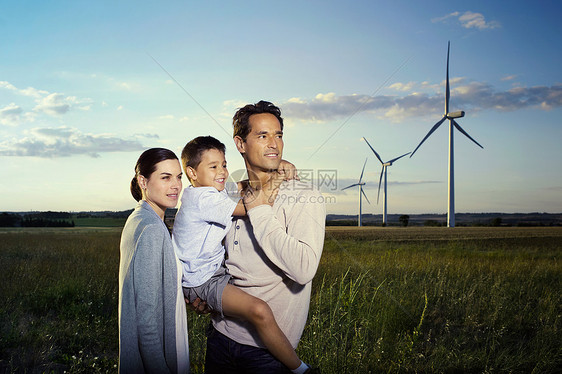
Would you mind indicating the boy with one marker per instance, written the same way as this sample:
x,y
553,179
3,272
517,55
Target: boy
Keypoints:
x,y
202,221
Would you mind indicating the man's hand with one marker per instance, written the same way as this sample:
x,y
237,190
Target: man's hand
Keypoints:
x,y
198,306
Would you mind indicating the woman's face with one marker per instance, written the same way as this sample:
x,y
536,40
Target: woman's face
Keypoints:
x,y
162,188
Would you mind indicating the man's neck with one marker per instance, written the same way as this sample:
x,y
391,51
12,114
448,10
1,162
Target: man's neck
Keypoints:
x,y
258,177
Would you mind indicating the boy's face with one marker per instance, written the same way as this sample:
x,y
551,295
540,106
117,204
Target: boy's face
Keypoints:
x,y
211,171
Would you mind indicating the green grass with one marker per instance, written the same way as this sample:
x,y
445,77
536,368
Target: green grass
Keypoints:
x,y
58,299
391,300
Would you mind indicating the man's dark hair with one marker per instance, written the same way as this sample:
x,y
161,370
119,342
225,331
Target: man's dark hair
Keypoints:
x,y
192,152
241,118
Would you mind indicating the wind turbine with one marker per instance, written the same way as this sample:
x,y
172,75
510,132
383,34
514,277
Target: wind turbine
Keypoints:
x,y
383,171
452,123
361,192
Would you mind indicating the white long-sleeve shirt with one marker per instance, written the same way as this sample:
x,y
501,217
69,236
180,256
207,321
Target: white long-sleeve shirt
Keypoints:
x,y
273,254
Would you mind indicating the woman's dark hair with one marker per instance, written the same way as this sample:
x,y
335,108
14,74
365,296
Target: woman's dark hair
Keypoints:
x,y
241,118
193,151
146,165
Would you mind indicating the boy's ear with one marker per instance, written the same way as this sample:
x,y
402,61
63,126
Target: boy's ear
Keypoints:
x,y
240,144
191,173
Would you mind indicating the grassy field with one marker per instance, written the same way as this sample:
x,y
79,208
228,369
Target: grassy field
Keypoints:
x,y
398,300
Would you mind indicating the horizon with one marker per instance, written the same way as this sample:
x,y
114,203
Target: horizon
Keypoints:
x,y
86,88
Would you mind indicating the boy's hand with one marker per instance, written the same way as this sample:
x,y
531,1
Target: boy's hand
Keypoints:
x,y
287,170
264,194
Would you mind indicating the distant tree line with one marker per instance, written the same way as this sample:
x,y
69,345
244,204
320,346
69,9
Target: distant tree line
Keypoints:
x,y
10,220
42,219
42,222
105,214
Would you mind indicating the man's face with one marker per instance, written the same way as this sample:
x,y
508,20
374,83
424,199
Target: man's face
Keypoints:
x,y
263,147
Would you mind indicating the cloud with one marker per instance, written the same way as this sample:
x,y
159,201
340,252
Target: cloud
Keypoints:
x,y
474,96
64,142
10,114
147,135
329,106
402,86
480,96
29,91
509,77
52,104
469,20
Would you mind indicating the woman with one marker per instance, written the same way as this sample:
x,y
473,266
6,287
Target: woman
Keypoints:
x,y
152,317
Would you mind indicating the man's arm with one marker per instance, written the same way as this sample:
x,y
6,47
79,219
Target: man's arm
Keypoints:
x,y
295,248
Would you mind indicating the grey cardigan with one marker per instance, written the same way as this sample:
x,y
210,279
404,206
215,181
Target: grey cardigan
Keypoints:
x,y
148,285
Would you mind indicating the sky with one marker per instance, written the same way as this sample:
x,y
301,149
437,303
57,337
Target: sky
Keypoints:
x,y
85,87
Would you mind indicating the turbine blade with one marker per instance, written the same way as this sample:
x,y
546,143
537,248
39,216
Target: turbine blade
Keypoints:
x,y
364,195
353,185
465,133
380,180
361,177
447,89
375,152
398,158
429,133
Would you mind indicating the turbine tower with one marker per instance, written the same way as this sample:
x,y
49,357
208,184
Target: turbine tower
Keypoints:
x,y
361,192
452,123
383,171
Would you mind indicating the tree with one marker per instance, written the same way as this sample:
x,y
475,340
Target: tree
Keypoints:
x,y
404,219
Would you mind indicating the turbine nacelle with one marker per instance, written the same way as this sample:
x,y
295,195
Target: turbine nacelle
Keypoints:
x,y
453,115
383,172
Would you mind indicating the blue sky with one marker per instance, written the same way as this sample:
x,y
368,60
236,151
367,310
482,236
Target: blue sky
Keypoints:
x,y
85,87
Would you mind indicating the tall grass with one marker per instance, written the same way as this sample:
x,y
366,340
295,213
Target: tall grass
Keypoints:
x,y
382,301
58,299
480,305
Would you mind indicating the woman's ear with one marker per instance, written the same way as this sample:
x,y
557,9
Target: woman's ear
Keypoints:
x,y
240,144
142,181
191,173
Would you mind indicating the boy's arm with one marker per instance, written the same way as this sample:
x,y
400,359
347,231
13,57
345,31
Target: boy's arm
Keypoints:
x,y
240,210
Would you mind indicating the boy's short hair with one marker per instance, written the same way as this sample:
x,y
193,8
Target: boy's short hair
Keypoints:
x,y
241,119
193,151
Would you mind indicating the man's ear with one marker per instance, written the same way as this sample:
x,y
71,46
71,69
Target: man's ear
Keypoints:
x,y
240,144
191,173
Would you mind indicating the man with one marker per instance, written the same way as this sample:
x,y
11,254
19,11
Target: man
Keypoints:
x,y
273,252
